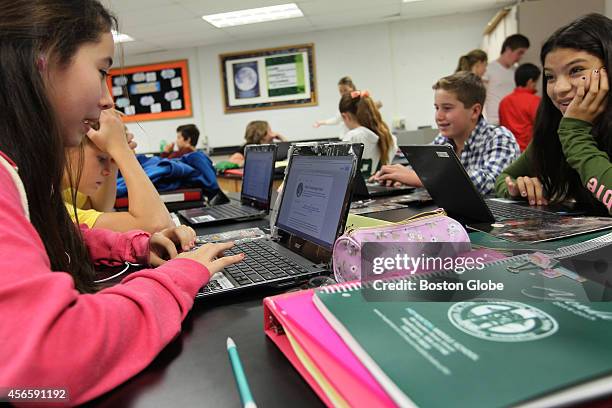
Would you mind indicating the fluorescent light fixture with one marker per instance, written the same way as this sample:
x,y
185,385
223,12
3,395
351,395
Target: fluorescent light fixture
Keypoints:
x,y
410,1
120,38
256,15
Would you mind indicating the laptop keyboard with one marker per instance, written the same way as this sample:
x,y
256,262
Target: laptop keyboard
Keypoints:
x,y
261,263
504,211
231,211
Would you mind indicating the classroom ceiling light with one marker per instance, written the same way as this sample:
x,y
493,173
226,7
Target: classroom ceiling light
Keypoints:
x,y
120,37
256,15
410,1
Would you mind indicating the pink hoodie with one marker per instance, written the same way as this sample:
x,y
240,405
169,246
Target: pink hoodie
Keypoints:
x,y
52,336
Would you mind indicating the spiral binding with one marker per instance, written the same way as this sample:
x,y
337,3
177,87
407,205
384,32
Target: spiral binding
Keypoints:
x,y
582,247
353,286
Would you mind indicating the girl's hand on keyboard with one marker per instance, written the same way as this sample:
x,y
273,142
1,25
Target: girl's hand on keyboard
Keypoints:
x,y
167,243
529,188
211,256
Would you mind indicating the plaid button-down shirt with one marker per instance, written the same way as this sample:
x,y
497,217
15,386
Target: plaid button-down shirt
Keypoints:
x,y
488,151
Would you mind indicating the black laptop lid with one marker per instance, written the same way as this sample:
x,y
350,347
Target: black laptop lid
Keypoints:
x,y
316,197
447,182
282,150
257,176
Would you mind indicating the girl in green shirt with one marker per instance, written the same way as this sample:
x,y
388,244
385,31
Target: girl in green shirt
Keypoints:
x,y
569,157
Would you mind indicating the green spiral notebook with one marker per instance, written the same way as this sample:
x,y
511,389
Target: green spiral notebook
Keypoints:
x,y
490,352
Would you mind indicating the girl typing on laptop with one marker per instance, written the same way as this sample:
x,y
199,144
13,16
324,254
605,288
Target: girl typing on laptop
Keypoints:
x,y
57,329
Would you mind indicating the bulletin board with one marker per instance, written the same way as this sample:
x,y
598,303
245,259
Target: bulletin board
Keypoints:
x,y
271,78
151,92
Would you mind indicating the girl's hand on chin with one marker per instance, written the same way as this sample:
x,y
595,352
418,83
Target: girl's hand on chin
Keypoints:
x,y
111,134
588,104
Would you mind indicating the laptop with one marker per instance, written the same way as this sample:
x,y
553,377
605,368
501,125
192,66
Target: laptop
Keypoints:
x,y
255,195
364,189
312,213
451,188
282,150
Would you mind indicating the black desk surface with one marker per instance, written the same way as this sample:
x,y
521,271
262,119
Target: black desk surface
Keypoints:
x,y
194,370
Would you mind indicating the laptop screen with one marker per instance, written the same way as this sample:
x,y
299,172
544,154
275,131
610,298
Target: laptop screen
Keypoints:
x,y
314,197
257,177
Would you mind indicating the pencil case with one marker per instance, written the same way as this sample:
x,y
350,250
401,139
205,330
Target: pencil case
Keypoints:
x,y
431,226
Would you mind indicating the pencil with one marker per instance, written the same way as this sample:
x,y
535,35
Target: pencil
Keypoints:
x,y
241,381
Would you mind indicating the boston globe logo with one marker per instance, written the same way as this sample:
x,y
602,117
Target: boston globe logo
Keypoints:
x,y
502,320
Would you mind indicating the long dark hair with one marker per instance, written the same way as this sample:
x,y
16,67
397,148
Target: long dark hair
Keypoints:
x,y
29,131
591,33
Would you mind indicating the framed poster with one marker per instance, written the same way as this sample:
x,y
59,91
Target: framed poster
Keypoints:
x,y
151,92
271,78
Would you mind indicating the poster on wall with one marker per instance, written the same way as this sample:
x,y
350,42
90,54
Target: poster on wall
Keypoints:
x,y
270,78
151,92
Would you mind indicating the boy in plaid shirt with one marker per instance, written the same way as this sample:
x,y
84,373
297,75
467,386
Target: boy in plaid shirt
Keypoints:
x,y
484,149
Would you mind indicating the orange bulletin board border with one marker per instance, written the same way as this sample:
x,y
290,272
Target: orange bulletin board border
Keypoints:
x,y
169,114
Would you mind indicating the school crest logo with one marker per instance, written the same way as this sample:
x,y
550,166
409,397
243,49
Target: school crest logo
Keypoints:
x,y
502,320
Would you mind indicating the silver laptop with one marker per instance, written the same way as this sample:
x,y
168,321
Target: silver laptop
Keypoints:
x,y
255,194
312,213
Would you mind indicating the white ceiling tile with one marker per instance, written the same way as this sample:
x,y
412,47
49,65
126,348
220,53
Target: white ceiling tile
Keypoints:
x,y
343,8
171,13
133,48
381,14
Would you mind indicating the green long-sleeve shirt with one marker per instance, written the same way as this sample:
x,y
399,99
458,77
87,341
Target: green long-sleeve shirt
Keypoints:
x,y
581,153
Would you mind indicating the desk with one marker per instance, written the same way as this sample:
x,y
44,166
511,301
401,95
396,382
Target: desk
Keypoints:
x,y
194,370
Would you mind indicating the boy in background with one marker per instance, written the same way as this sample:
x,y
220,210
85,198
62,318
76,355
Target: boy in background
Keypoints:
x,y
499,77
517,111
186,141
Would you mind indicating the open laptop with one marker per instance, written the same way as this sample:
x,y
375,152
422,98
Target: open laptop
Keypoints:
x,y
312,213
451,188
255,195
363,189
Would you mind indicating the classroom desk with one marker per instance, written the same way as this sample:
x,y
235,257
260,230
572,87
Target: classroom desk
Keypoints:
x,y
193,370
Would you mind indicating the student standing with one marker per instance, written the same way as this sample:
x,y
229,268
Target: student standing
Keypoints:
x,y
484,149
518,110
345,86
569,156
474,61
57,330
499,77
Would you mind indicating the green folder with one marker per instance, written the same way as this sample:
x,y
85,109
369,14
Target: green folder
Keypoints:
x,y
484,240
504,349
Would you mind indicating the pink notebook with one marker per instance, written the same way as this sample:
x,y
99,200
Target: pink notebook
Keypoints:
x,y
296,313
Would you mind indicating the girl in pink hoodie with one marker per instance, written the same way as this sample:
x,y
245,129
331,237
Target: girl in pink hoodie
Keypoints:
x,y
57,330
